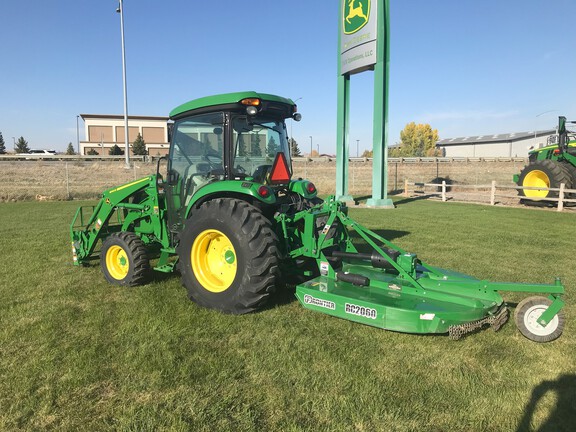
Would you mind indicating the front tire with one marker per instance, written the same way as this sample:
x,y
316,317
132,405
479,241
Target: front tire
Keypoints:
x,y
124,259
526,316
228,256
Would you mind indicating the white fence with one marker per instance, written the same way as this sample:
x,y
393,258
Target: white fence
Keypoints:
x,y
488,193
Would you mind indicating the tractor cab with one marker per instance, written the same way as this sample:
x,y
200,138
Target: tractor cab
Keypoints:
x,y
238,140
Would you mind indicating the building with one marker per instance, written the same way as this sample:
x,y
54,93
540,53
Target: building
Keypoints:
x,y
102,132
504,145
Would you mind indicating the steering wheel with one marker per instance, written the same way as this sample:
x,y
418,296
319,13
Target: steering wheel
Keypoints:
x,y
213,165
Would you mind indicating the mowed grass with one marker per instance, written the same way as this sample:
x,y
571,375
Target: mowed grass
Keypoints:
x,y
79,354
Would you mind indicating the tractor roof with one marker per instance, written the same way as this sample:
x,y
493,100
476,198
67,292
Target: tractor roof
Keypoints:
x,y
224,99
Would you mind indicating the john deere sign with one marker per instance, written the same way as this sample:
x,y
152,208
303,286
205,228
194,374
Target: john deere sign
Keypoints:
x,y
358,35
363,44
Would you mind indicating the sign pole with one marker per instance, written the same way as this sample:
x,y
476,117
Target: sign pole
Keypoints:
x,y
342,139
380,129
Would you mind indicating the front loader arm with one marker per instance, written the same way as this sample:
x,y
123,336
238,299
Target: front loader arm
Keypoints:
x,y
148,213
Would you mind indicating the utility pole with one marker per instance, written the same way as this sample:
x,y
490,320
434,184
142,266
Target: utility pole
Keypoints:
x,y
126,145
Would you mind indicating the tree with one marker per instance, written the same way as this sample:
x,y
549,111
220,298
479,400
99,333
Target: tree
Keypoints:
x,y
272,147
417,140
115,151
2,144
241,150
92,152
22,146
255,149
139,146
294,149
368,154
70,150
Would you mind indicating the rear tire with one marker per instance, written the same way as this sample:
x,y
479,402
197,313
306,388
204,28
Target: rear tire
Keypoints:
x,y
570,171
228,256
526,315
124,259
542,173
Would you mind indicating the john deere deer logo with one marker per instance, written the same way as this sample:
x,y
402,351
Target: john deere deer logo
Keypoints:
x,y
355,14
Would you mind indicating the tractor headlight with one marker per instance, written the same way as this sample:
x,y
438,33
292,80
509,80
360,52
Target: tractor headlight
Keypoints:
x,y
251,110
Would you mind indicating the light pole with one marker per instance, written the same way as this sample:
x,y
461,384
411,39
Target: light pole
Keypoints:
x,y
77,135
310,146
120,9
357,143
14,141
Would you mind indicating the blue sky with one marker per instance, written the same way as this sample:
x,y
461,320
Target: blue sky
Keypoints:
x,y
467,67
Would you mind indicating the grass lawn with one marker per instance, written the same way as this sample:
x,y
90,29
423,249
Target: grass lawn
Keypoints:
x,y
78,354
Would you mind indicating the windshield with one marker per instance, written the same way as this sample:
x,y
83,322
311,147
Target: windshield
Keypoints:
x,y
256,142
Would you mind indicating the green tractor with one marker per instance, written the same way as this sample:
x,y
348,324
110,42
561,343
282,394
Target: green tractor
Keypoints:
x,y
549,167
224,211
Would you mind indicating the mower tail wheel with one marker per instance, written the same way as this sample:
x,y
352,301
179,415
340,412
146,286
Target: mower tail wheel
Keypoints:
x,y
526,316
124,259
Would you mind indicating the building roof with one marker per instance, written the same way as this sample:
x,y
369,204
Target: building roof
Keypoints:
x,y
489,139
121,117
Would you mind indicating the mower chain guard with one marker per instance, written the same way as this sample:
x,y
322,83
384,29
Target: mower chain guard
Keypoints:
x,y
495,321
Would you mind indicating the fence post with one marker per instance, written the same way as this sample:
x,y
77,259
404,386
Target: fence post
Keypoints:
x,y
406,187
443,188
561,198
493,193
67,182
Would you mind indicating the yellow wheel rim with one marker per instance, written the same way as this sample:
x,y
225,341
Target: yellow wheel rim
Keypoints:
x,y
213,260
117,262
536,178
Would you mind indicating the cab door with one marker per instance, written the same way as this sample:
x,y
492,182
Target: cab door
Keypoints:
x,y
196,155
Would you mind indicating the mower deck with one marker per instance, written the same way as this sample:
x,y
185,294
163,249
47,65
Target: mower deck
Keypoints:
x,y
390,303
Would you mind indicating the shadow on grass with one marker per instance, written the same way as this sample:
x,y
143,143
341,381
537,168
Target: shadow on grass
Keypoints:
x,y
563,416
414,198
285,294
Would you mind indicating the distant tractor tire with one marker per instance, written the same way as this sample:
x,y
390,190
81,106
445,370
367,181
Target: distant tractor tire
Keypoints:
x,y
229,256
571,173
526,316
124,259
545,174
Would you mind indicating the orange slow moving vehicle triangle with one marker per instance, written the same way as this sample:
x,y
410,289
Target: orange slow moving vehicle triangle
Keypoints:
x,y
280,171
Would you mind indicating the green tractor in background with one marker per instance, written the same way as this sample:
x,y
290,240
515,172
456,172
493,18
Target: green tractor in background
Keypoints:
x,y
224,211
549,167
